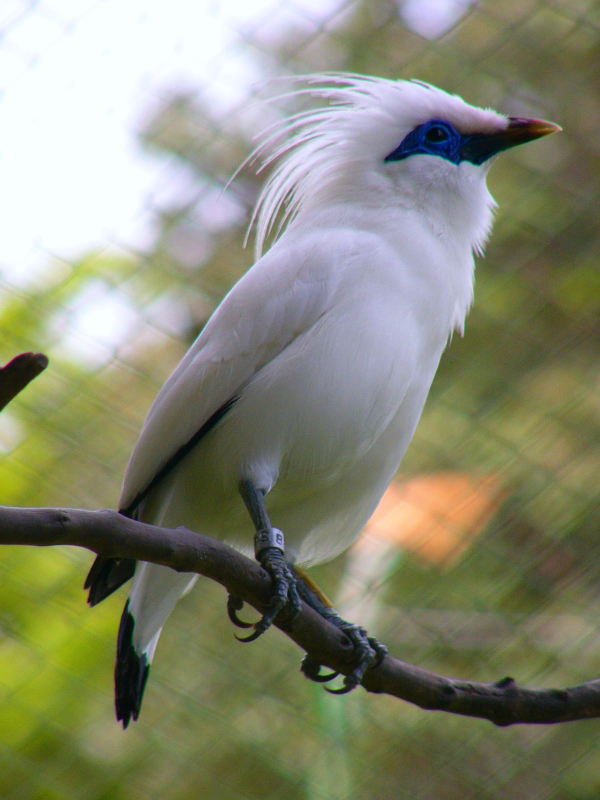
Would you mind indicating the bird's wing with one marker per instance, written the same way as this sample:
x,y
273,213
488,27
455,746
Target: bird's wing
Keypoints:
x,y
281,297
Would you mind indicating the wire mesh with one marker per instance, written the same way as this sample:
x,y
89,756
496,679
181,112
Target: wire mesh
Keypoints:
x,y
121,125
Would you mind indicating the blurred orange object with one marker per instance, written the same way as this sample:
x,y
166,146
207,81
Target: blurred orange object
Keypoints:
x,y
436,516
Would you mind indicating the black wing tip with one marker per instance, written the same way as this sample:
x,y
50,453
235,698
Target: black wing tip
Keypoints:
x,y
131,672
106,576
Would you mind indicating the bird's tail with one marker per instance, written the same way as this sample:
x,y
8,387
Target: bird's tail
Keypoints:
x,y
106,576
154,594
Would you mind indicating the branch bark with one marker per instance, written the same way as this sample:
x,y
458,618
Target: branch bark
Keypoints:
x,y
15,376
107,533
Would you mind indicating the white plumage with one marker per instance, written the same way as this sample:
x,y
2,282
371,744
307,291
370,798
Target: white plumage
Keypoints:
x,y
322,355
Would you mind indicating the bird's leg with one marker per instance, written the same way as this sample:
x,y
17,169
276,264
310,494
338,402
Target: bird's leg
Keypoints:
x,y
291,585
369,652
269,552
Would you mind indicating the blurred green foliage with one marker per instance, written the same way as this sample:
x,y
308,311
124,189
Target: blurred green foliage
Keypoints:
x,y
518,397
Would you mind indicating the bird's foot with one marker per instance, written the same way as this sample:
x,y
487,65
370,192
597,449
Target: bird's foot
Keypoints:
x,y
285,595
369,653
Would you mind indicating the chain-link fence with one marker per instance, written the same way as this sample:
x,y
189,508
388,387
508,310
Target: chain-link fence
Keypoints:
x,y
121,123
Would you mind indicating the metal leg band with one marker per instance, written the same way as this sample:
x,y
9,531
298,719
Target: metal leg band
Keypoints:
x,y
269,537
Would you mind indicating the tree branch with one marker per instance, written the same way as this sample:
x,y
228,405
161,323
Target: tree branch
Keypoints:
x,y
15,376
107,533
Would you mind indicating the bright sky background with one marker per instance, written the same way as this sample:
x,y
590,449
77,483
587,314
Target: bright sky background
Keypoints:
x,y
77,77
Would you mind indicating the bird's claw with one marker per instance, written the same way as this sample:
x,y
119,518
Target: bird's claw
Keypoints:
x,y
312,670
263,624
251,637
369,654
235,604
285,596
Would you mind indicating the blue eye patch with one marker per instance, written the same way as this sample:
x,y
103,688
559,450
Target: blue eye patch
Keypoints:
x,y
439,138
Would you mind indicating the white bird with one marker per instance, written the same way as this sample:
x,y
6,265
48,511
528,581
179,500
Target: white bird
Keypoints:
x,y
299,398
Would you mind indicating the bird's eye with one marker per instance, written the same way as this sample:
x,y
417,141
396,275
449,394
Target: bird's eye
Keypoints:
x,y
437,134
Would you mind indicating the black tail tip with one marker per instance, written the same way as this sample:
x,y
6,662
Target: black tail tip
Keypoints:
x,y
107,575
131,672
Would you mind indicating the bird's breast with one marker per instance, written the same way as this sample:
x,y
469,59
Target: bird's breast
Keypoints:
x,y
313,411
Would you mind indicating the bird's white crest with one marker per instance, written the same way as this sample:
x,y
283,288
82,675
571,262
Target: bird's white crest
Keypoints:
x,y
365,119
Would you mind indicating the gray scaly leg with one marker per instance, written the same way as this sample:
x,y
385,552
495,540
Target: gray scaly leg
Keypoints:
x,y
269,552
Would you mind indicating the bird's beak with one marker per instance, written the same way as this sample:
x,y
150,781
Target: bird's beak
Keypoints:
x,y
521,130
479,147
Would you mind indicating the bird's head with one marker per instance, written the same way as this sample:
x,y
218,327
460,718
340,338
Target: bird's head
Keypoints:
x,y
390,144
